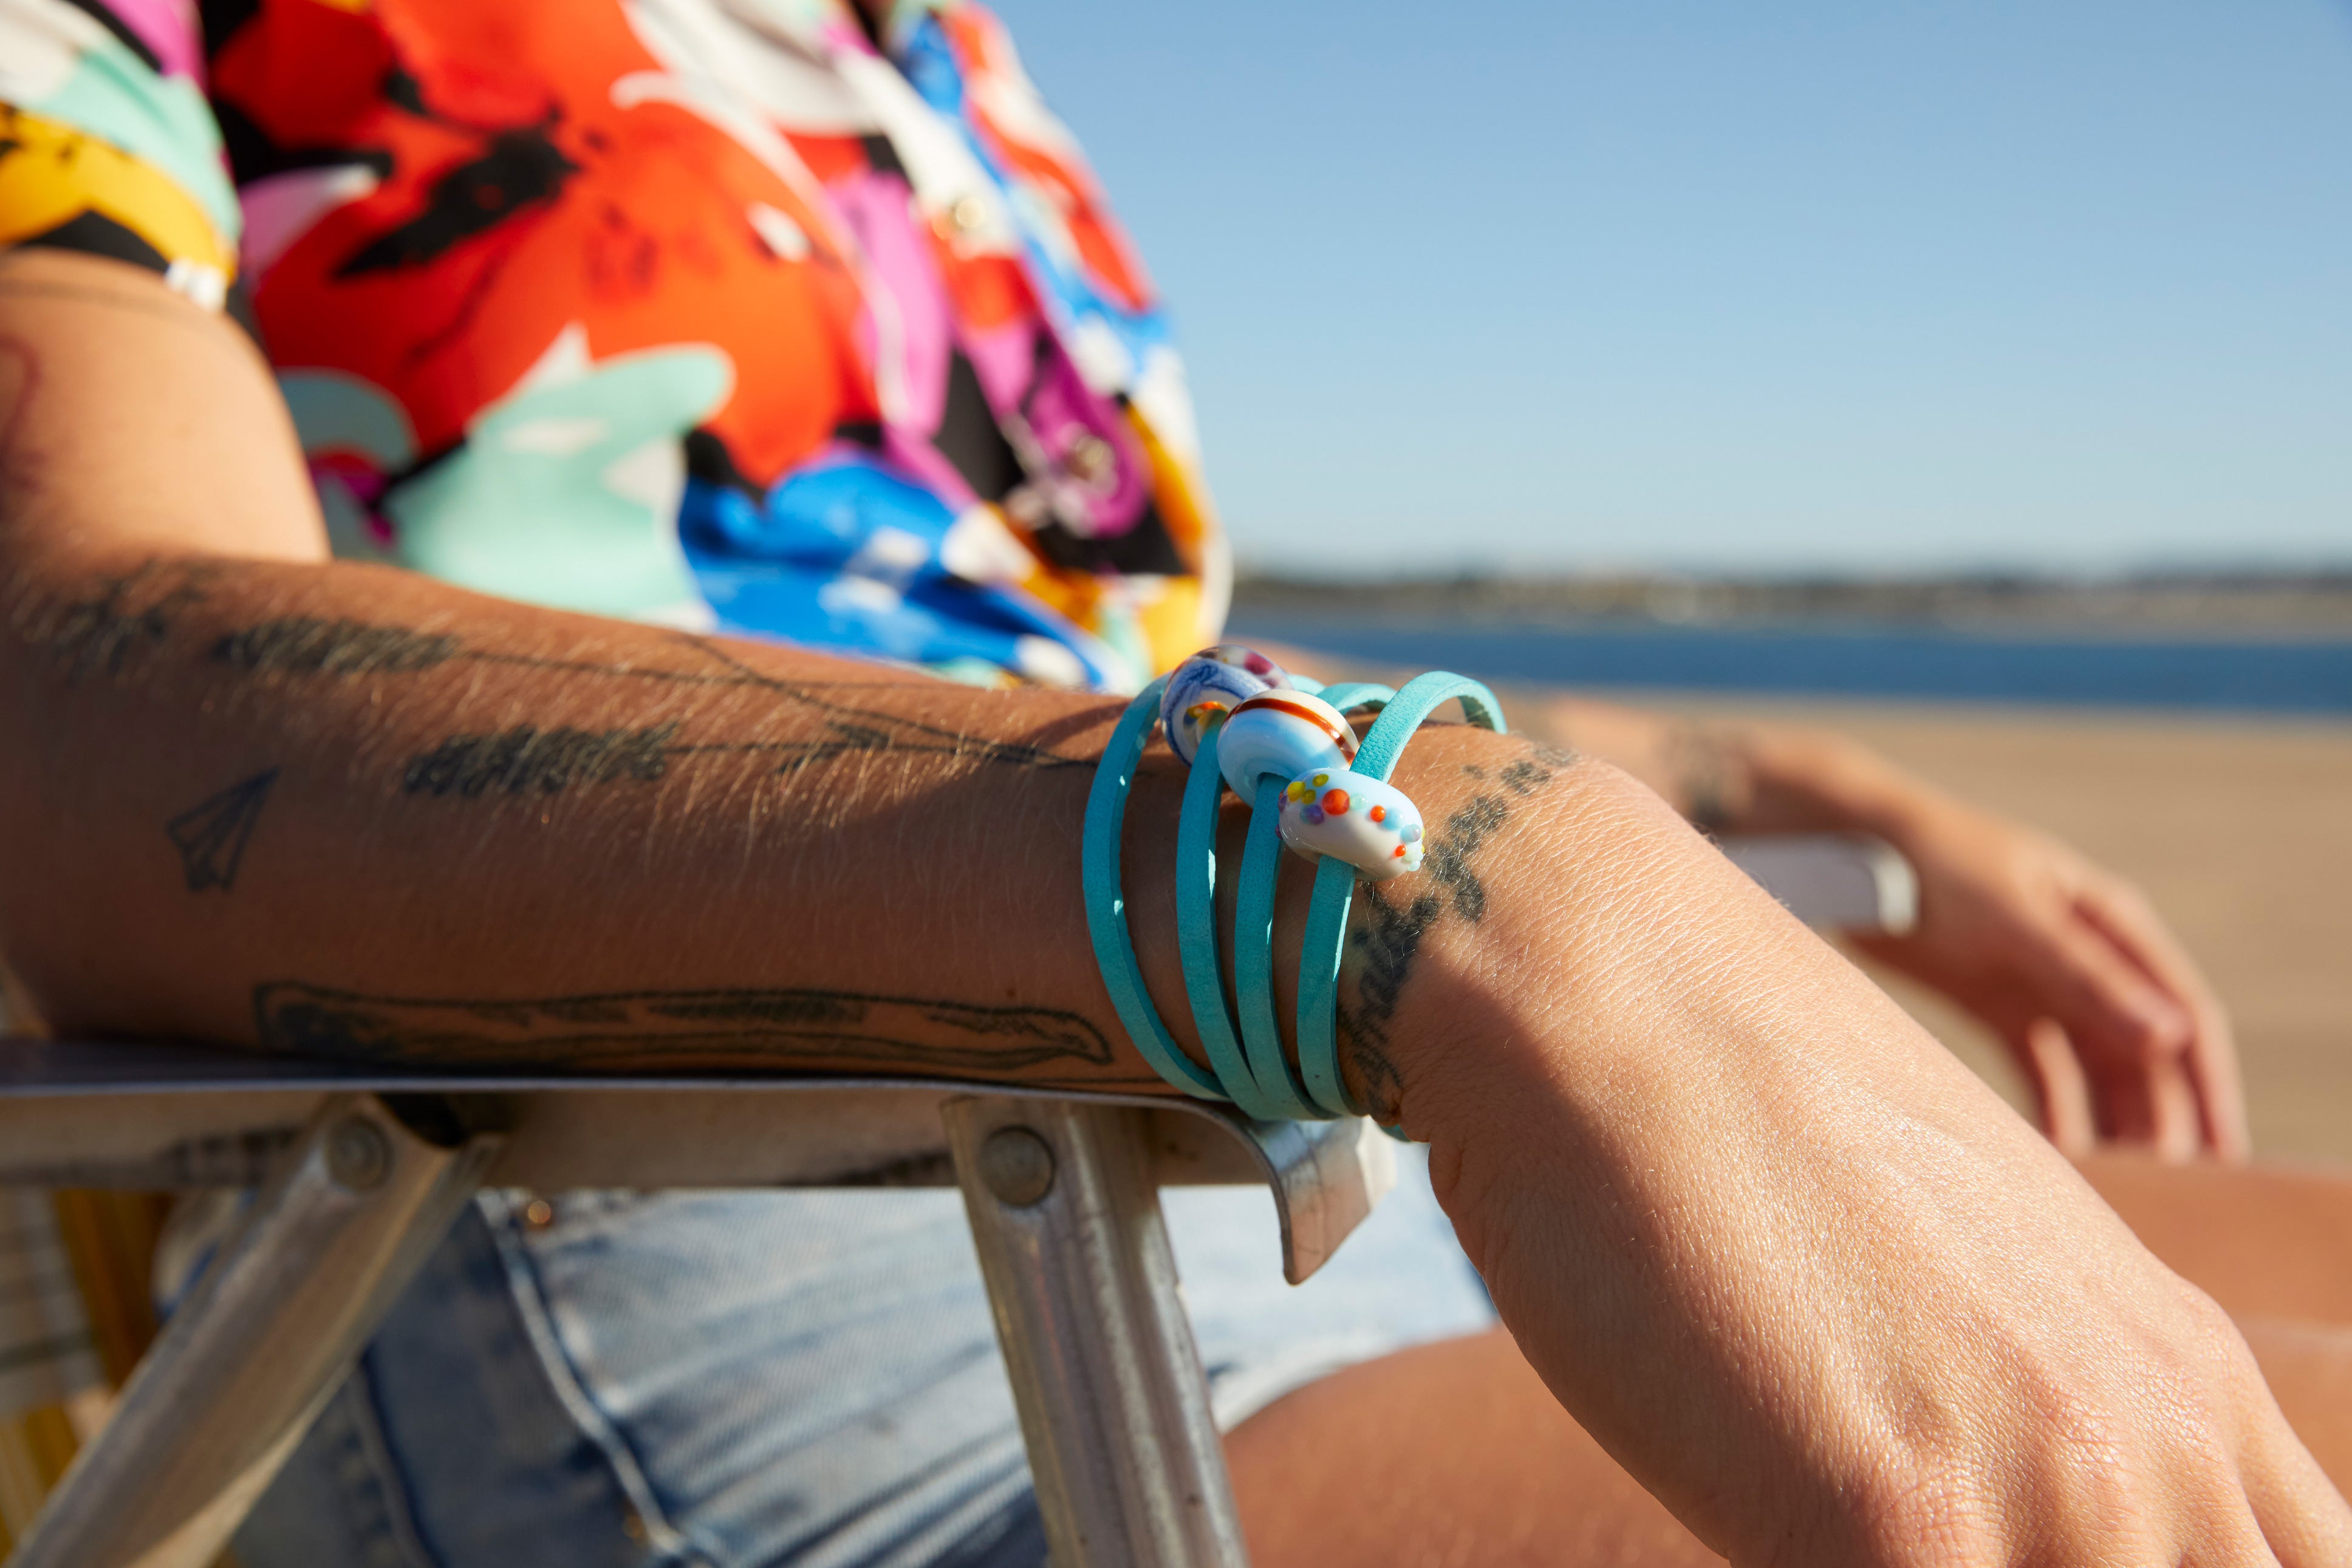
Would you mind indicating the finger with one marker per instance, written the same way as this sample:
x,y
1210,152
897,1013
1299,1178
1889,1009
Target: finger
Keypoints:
x,y
2176,1126
2303,1517
2112,1010
2124,1101
2084,1105
2150,1105
2129,1036
2061,1087
2221,1087
2125,918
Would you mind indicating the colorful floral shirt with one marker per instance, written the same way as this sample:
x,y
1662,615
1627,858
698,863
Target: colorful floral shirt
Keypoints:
x,y
724,313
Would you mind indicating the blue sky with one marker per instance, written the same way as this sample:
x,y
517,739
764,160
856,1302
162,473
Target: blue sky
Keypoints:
x,y
1693,284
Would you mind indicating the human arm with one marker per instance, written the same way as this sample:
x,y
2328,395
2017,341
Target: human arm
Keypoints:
x,y
251,795
2113,1024
1804,1172
2117,1030
1759,1233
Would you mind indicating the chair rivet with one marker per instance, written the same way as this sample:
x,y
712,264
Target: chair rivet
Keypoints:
x,y
359,1157
1018,1165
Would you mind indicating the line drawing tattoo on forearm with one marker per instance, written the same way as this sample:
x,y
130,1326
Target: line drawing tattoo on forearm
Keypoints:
x,y
681,1032
128,613
471,764
308,645
1392,921
546,761
210,835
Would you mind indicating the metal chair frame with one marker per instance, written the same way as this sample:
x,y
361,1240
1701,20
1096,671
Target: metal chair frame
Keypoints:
x,y
361,1173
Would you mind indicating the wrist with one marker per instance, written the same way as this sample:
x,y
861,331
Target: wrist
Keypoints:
x,y
1469,776
1446,969
1808,780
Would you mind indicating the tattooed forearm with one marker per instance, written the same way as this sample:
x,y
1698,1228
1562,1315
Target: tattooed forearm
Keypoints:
x,y
526,759
309,645
843,739
903,733
305,644
126,614
710,1030
1393,920
210,835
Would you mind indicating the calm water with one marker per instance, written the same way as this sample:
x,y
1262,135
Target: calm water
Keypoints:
x,y
2309,676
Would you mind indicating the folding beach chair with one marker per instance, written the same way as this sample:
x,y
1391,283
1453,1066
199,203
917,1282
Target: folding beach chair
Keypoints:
x,y
359,1172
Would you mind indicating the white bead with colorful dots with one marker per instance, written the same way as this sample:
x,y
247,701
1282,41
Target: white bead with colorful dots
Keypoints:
x,y
1285,733
1352,817
1212,681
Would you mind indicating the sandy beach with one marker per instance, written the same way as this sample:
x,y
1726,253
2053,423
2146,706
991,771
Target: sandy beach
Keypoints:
x,y
2240,830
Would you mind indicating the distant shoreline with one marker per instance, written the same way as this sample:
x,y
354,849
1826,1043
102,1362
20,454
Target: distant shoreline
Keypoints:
x,y
2310,604
2210,670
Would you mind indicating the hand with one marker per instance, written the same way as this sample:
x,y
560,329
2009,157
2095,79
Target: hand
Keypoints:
x,y
2120,1035
1792,1265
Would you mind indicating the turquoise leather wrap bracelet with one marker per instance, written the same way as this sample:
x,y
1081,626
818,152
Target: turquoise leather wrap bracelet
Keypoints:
x,y
1337,803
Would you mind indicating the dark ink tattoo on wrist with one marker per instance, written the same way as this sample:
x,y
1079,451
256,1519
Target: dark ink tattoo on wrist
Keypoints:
x,y
210,835
704,1031
1448,859
1385,945
1393,920
1536,769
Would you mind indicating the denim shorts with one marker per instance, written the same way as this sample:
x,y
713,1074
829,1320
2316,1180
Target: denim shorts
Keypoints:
x,y
733,1380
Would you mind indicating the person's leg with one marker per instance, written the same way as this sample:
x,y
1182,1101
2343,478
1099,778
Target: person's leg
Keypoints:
x,y
2309,1367
2263,1243
1451,1455
1454,1454
2275,1248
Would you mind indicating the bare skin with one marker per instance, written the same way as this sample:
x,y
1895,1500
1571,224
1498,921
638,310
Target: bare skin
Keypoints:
x,y
1340,1471
2120,1035
1806,1279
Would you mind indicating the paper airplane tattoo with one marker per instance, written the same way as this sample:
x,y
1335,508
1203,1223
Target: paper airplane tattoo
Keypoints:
x,y
211,836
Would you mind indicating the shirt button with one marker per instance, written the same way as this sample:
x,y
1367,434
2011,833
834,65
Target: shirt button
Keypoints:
x,y
538,1214
968,214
